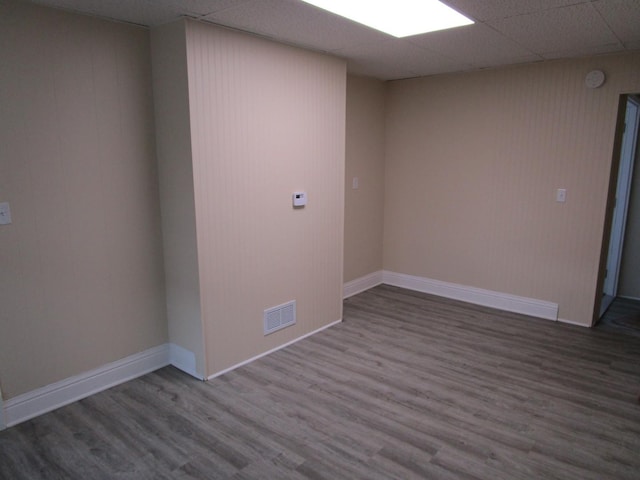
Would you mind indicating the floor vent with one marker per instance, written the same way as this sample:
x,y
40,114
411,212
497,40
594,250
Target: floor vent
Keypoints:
x,y
279,317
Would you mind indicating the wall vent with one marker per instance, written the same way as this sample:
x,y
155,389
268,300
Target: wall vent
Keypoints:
x,y
276,318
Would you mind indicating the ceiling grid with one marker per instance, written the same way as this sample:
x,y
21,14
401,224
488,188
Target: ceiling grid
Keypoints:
x,y
506,31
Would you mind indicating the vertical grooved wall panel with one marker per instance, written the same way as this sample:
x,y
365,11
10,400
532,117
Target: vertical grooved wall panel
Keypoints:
x,y
173,140
81,280
473,161
364,206
266,120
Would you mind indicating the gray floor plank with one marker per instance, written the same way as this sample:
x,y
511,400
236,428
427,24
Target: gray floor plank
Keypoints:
x,y
409,386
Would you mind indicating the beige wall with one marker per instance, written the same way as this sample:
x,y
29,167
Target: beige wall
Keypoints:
x,y
472,165
81,281
629,280
266,120
173,138
364,206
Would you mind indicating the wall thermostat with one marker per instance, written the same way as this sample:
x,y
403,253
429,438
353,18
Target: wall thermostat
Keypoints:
x,y
299,199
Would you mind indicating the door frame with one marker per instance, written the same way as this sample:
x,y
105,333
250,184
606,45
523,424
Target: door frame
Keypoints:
x,y
3,424
611,201
623,191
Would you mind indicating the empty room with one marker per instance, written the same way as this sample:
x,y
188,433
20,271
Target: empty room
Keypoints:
x,y
288,239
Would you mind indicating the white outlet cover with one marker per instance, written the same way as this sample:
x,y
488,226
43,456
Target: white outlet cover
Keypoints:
x,y
5,213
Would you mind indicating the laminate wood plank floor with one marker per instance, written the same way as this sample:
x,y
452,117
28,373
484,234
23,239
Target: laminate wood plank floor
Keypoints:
x,y
409,386
623,315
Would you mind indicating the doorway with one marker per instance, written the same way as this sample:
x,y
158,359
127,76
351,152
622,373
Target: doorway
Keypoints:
x,y
3,425
627,152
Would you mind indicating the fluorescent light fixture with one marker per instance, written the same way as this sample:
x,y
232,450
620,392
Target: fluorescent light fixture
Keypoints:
x,y
400,18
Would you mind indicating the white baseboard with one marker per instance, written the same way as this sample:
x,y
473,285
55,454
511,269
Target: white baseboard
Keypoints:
x,y
361,284
628,297
573,322
3,424
184,360
478,296
226,370
43,400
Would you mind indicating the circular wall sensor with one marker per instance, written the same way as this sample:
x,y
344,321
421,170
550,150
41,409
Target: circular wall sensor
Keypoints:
x,y
594,79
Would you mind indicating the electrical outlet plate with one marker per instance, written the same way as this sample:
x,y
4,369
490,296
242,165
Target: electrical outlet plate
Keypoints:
x,y
5,213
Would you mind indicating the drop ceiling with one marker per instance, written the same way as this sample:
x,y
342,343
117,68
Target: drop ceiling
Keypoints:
x,y
506,31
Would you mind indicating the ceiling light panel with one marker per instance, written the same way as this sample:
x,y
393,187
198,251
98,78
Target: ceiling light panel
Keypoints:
x,y
400,18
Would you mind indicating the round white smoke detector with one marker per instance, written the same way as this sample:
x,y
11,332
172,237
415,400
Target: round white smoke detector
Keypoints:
x,y
594,79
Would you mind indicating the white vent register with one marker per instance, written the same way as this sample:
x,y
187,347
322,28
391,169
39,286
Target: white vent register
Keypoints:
x,y
279,317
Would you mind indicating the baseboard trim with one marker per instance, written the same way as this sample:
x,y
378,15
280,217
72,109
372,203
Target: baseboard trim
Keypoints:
x,y
628,297
478,296
573,322
184,360
361,284
42,400
3,424
238,365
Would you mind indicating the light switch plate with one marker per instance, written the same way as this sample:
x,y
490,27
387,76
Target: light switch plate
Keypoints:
x,y
5,213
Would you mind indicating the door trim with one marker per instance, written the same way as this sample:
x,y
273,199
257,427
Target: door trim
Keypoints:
x,y
623,191
611,199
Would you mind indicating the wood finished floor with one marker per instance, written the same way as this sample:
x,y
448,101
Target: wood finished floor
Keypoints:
x,y
408,386
623,316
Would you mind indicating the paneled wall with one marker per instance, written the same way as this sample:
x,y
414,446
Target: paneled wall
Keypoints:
x,y
473,162
470,165
81,275
173,138
364,203
265,120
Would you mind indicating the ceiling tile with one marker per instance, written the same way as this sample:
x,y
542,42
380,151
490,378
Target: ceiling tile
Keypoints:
x,y
264,16
496,9
582,52
114,10
623,17
397,58
506,32
478,45
559,30
142,12
295,22
331,32
196,7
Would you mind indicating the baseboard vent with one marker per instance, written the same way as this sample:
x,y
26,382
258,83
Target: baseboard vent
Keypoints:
x,y
279,317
